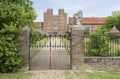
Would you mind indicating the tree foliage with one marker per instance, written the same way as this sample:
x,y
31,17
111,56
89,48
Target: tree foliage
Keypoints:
x,y
36,36
19,13
14,15
113,20
10,57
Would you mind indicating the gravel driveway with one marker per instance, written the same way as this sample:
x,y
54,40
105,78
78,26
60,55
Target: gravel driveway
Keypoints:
x,y
47,74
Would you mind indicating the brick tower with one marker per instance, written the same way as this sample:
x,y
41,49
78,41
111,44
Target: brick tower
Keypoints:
x,y
55,24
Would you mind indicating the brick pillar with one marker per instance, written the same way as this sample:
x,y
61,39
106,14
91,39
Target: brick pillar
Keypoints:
x,y
24,45
77,48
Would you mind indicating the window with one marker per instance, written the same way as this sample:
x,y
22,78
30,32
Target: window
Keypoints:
x,y
55,27
56,19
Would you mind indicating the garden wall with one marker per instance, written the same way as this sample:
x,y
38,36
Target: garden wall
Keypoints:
x,y
102,63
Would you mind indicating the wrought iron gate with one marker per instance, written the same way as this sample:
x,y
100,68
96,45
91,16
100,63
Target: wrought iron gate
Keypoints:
x,y
49,52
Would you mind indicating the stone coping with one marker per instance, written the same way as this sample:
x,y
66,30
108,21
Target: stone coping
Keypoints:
x,y
103,57
77,27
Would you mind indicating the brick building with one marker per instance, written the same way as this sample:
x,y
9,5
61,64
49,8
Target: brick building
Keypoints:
x,y
55,24
40,26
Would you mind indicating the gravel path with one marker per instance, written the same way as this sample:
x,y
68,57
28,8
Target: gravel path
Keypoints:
x,y
47,74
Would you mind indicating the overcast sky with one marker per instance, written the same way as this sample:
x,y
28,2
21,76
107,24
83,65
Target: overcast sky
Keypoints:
x,y
90,8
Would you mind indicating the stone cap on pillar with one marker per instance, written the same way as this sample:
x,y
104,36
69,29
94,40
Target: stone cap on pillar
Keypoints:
x,y
77,27
26,28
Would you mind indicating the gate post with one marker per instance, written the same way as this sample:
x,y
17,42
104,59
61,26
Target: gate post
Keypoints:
x,y
25,46
77,48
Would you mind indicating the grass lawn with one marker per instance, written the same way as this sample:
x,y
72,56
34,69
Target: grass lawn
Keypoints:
x,y
92,75
103,75
18,75
69,74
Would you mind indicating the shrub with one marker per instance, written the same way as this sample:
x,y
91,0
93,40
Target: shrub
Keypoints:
x,y
10,56
118,52
36,36
68,35
97,45
14,15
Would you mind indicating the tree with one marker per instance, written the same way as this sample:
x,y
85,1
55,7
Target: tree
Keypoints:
x,y
113,20
20,13
14,15
102,30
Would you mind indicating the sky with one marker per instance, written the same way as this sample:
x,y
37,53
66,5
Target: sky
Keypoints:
x,y
90,8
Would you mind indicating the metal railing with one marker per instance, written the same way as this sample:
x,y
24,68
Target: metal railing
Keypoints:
x,y
102,45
